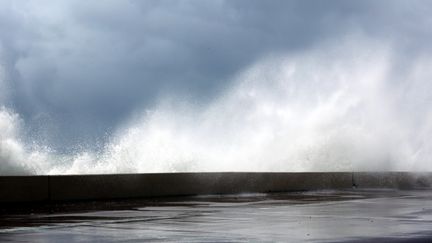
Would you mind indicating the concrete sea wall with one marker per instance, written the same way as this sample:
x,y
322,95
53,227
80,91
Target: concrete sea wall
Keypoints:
x,y
124,186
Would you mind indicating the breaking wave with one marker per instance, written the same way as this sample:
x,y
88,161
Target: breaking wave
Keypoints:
x,y
333,108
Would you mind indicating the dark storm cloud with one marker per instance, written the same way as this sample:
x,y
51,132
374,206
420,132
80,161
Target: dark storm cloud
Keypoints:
x,y
77,68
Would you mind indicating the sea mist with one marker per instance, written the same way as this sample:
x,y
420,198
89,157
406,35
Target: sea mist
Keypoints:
x,y
341,106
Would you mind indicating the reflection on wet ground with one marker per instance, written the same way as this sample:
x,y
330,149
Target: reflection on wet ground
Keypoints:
x,y
329,216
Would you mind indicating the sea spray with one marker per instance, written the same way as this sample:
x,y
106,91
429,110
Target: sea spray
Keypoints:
x,y
14,158
332,108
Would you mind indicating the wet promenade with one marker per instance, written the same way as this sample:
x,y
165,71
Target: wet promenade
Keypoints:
x,y
321,216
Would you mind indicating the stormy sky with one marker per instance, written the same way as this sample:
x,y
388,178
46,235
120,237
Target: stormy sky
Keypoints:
x,y
75,70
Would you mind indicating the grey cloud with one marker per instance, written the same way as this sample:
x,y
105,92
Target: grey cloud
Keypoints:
x,y
78,69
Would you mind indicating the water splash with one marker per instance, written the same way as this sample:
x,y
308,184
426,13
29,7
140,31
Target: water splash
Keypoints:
x,y
334,108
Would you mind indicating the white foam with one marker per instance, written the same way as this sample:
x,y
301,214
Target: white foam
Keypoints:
x,y
338,107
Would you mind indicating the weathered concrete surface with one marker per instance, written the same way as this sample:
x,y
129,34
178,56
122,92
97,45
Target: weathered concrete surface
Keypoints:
x,y
121,186
176,184
399,180
24,188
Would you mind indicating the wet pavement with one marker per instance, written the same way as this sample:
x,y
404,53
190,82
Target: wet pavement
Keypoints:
x,y
321,216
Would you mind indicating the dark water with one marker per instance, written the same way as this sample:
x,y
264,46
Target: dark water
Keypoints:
x,y
332,216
